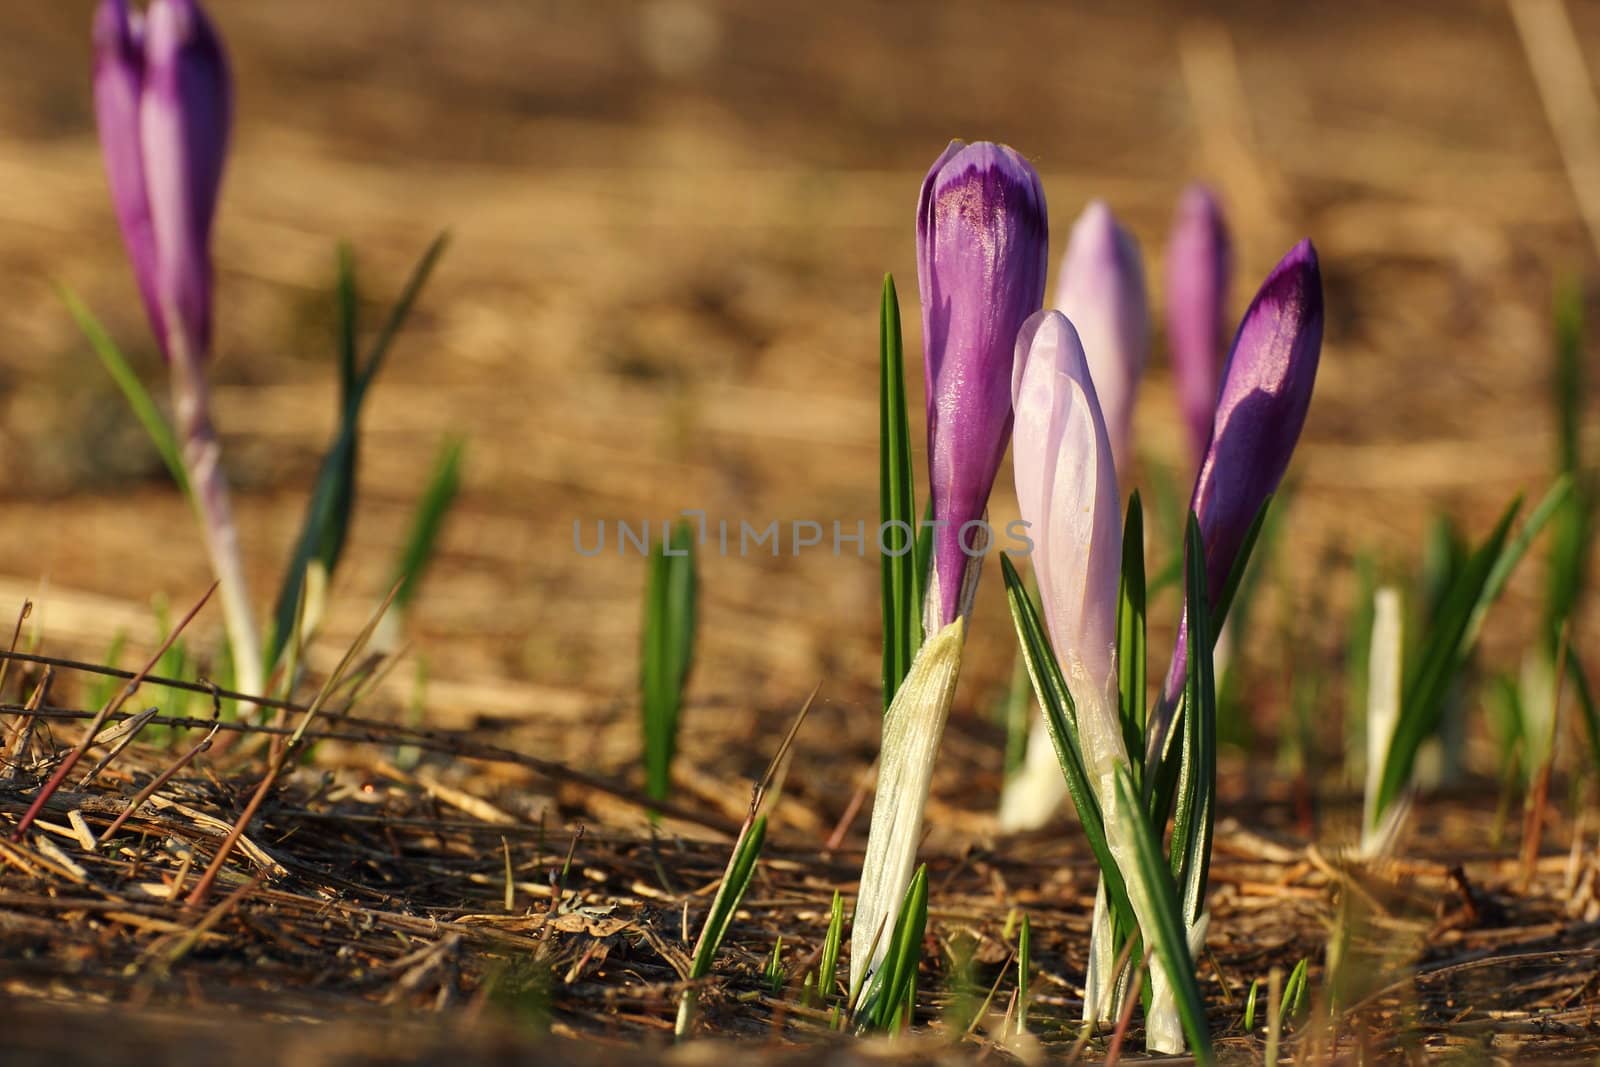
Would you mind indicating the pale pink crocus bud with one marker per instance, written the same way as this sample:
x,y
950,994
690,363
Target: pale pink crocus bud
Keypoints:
x,y
1102,292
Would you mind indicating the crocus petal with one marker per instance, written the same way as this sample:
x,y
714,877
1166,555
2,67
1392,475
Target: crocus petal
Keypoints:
x,y
1067,493
1102,291
1199,265
118,88
1266,391
982,238
184,121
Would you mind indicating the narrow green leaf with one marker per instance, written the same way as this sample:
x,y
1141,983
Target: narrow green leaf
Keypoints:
x,y
1455,625
892,987
668,653
443,485
133,391
902,602
327,521
1294,993
828,969
1162,918
1586,707
1024,973
735,880
1131,632
1194,821
1250,1005
1224,597
1061,718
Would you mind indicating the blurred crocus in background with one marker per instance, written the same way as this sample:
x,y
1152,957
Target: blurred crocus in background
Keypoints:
x,y
982,242
163,105
1199,266
1266,391
1102,292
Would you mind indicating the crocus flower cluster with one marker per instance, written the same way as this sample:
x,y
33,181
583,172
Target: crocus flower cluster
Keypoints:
x,y
163,105
982,242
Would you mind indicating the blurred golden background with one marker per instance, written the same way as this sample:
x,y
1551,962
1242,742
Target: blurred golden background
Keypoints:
x,y
670,220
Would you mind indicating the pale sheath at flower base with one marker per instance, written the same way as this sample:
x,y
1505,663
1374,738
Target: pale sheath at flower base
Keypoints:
x,y
982,242
1266,391
981,246
1102,292
1199,268
163,101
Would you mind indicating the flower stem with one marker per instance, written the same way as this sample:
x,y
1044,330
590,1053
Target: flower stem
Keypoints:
x,y
208,492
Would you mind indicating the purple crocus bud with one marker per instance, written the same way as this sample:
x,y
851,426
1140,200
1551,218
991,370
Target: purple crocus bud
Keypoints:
x,y
1102,291
1199,264
163,101
982,239
1266,389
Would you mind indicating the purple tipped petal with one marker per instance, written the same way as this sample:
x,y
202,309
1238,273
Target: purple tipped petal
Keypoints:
x,y
1067,493
1102,291
118,88
982,239
184,120
1199,263
1266,390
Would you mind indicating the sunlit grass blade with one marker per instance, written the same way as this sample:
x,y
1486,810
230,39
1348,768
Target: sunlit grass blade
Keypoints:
x,y
327,520
828,968
1131,635
1452,633
1155,901
1573,528
1194,820
902,600
1024,972
668,653
735,880
889,998
1294,994
1051,689
1250,1005
1586,707
133,391
443,485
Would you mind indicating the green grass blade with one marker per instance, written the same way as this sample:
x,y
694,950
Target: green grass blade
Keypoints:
x,y
668,653
1161,917
1250,1005
1024,971
1131,635
1455,625
327,520
400,312
443,485
892,988
735,880
133,390
1223,598
1586,707
902,602
1194,822
828,969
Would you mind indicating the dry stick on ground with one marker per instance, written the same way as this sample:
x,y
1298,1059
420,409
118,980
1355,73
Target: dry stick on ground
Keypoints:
x,y
16,635
375,731
280,756
1555,58
16,745
111,707
165,776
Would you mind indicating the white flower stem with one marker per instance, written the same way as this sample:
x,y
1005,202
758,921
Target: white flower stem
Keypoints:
x,y
208,492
